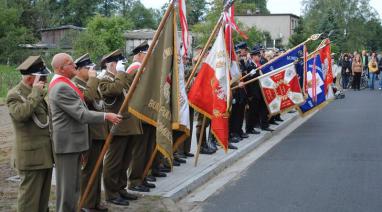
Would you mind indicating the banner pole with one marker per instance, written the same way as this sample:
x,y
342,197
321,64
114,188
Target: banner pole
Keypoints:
x,y
200,139
124,105
212,36
311,38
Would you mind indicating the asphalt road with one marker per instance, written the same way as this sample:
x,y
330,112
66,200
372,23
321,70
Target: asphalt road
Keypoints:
x,y
333,162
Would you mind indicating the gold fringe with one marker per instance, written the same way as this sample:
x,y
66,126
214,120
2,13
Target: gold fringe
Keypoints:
x,y
142,117
220,142
318,107
199,110
165,154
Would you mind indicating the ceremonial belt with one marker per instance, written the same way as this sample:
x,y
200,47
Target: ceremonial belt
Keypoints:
x,y
68,82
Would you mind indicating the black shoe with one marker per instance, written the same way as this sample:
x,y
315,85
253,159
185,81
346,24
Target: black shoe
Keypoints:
x,y
119,201
175,163
252,131
148,185
231,146
234,140
151,178
124,194
179,160
165,169
279,119
189,154
140,188
101,207
267,129
244,135
206,151
159,174
273,123
182,156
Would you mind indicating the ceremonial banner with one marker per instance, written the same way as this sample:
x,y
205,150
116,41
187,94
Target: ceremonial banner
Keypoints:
x,y
315,85
281,89
210,92
159,99
289,57
326,61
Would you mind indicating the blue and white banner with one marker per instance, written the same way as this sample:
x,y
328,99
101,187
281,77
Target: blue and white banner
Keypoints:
x,y
289,57
315,86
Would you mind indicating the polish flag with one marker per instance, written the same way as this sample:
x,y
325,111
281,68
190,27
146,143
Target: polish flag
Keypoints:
x,y
210,92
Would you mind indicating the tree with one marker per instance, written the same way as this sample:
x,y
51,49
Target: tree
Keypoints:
x,y
196,11
353,22
12,33
204,28
102,35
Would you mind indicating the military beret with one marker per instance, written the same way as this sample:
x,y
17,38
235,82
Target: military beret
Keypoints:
x,y
242,45
143,47
114,56
84,60
33,65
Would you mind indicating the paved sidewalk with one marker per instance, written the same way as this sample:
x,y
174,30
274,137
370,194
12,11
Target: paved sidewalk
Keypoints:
x,y
187,177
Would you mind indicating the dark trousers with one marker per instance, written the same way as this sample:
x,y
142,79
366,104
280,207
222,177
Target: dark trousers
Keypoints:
x,y
356,80
237,118
94,196
185,147
262,113
251,114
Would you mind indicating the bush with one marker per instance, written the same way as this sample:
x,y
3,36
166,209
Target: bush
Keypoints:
x,y
9,77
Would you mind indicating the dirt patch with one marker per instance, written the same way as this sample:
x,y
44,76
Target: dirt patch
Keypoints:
x,y
8,189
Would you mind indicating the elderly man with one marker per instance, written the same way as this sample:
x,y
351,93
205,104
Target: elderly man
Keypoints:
x,y
29,114
69,119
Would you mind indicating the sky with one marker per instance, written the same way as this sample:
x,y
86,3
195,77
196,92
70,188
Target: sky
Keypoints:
x,y
274,6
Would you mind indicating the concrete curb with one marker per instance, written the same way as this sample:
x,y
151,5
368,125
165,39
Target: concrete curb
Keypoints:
x,y
199,179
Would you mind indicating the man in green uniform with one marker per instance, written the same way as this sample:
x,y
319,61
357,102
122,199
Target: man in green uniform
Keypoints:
x,y
143,150
113,87
87,82
29,114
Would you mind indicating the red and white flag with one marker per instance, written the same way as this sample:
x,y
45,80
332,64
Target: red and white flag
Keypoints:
x,y
229,19
210,92
229,24
326,62
281,89
184,26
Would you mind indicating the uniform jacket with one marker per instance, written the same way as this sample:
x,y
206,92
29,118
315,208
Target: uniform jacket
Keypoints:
x,y
113,89
70,118
33,146
93,99
253,89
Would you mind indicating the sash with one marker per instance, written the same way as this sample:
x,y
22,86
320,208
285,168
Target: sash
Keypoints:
x,y
68,82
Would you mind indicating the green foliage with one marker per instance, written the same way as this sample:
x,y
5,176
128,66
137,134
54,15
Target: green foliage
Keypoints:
x,y
103,35
203,29
196,9
353,21
12,33
143,17
9,77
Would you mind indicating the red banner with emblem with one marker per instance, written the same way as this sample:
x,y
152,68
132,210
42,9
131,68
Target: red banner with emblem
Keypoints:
x,y
281,89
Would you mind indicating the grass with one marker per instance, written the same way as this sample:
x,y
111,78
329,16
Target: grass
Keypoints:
x,y
9,77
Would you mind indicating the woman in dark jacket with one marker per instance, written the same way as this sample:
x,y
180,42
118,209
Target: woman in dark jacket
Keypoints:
x,y
345,71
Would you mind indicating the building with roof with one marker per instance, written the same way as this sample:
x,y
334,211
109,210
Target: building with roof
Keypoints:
x,y
280,26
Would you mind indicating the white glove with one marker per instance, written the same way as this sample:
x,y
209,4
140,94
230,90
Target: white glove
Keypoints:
x,y
253,72
120,66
